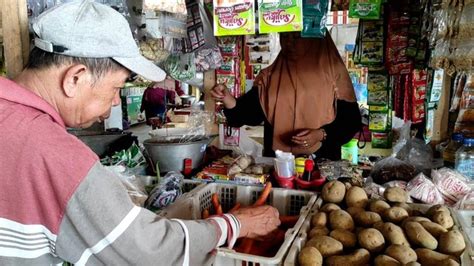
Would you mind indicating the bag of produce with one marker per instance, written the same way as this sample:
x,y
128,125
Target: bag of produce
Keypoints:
x,y
390,169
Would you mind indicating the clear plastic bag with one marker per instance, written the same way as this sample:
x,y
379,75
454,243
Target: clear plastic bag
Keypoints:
x,y
153,50
166,192
452,185
134,186
466,202
413,151
422,189
390,169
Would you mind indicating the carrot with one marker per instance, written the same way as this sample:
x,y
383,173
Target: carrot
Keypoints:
x,y
219,210
215,201
236,207
289,221
205,214
263,197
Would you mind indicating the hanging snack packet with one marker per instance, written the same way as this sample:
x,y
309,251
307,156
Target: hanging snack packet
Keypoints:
x,y
378,90
314,18
365,9
234,19
380,119
280,15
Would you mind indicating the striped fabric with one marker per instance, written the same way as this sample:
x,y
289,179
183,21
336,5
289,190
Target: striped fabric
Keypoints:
x,y
25,241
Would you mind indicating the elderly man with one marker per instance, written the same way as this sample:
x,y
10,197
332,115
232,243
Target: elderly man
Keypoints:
x,y
57,203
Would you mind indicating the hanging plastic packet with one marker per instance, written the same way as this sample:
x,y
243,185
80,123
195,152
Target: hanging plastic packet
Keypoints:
x,y
314,18
339,5
380,119
378,90
232,18
365,9
280,15
172,6
166,192
181,67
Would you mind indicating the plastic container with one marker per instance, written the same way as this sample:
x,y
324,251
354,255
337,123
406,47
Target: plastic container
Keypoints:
x,y
300,240
449,154
465,159
285,182
288,202
350,152
315,182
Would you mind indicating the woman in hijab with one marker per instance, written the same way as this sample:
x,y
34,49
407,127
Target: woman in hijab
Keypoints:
x,y
305,99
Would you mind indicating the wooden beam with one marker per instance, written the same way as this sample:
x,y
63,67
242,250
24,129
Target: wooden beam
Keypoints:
x,y
15,35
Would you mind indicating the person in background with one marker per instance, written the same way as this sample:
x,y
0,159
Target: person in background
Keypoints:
x,y
57,202
155,100
305,100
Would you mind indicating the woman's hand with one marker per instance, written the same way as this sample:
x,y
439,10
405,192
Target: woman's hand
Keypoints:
x,y
308,137
222,94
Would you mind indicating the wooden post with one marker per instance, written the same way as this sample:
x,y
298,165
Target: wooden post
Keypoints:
x,y
15,35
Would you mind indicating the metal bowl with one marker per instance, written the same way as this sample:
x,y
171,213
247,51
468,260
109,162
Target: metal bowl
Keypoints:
x,y
170,156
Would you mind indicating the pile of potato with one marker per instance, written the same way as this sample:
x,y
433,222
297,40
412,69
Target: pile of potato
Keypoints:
x,y
351,230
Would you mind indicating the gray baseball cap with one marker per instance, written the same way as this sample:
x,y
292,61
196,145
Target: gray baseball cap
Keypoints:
x,y
88,29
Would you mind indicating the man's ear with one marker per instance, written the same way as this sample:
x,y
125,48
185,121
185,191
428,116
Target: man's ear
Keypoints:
x,y
74,77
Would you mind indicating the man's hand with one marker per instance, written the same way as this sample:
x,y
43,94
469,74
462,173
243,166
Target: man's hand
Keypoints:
x,y
308,137
222,94
257,221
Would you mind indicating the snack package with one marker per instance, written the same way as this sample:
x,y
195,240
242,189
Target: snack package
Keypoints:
x,y
391,168
231,18
172,6
422,189
366,9
314,18
378,90
166,192
380,118
452,185
381,140
374,191
280,15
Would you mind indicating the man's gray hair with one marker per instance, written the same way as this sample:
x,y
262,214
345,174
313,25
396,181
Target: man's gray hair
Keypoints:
x,y
39,59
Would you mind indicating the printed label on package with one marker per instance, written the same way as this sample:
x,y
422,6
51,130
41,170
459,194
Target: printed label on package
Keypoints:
x,y
234,19
280,16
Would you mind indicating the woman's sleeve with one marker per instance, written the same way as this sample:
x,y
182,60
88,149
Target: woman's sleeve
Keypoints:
x,y
342,129
247,111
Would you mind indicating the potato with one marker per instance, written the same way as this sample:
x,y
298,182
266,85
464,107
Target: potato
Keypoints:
x,y
359,257
436,208
378,226
430,257
348,239
319,219
413,263
371,239
340,219
415,219
384,260
433,228
333,191
452,243
418,235
405,206
416,213
310,256
353,211
318,231
356,197
449,262
326,245
395,214
367,219
395,194
378,206
329,207
401,253
394,234
444,219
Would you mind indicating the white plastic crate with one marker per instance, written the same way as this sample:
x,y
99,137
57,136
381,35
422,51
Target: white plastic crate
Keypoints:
x,y
467,258
288,202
